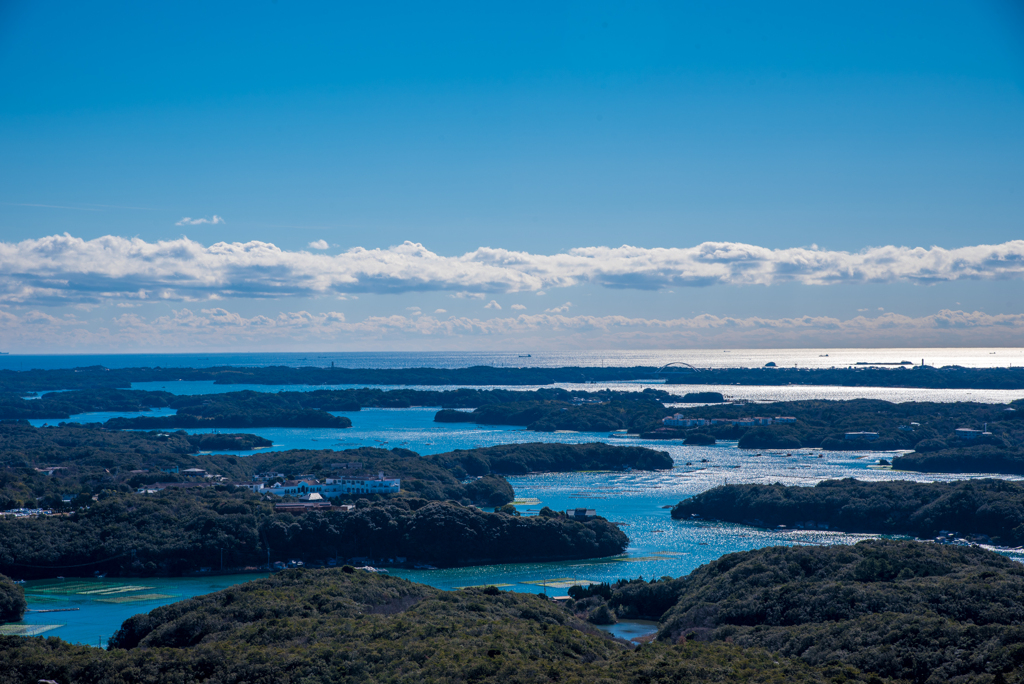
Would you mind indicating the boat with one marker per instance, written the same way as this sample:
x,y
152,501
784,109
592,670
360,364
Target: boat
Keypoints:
x,y
526,356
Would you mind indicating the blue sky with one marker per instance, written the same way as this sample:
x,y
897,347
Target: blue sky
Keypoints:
x,y
534,128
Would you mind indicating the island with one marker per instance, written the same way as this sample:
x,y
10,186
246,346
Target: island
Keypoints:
x,y
178,531
986,510
352,626
519,459
904,610
852,425
94,377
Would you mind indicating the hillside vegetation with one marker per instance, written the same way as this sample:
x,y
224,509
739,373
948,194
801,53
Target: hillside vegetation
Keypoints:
x,y
901,609
306,626
179,531
990,507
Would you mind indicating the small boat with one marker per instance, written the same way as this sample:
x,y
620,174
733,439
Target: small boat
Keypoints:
x,y
526,356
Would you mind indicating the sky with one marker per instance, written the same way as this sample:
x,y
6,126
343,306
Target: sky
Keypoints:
x,y
297,176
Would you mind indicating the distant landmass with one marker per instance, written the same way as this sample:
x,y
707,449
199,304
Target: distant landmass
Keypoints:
x,y
949,377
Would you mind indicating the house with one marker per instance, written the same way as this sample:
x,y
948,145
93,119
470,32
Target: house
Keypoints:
x,y
761,420
866,436
678,420
295,488
300,507
744,422
362,485
581,513
968,433
194,472
785,419
255,487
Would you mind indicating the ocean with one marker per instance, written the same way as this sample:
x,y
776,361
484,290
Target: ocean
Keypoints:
x,y
972,357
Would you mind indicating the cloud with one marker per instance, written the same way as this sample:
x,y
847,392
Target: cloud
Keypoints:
x,y
437,311
63,269
518,307
199,221
493,305
559,309
319,244
222,329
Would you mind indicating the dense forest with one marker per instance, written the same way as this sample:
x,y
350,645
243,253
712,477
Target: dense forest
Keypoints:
x,y
981,458
634,412
517,459
179,531
93,377
12,600
61,405
989,507
40,467
924,426
901,609
351,626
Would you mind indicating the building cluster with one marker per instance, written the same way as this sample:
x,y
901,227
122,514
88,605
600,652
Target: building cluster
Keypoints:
x,y
679,420
305,487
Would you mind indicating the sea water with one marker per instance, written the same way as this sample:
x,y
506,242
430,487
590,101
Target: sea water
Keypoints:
x,y
973,357
639,501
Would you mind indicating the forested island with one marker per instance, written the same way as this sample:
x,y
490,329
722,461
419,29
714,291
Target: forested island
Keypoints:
x,y
876,425
519,459
63,467
93,377
873,612
179,531
990,510
897,609
90,475
352,626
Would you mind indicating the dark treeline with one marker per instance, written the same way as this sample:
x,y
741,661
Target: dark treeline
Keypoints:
x,y
39,467
179,531
90,461
93,377
824,424
12,600
349,627
517,459
994,508
634,411
901,609
59,405
958,458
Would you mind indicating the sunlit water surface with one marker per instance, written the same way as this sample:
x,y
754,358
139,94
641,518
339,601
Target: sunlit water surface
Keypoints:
x,y
639,501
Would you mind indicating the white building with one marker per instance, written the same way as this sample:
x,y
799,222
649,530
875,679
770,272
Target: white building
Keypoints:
x,y
678,420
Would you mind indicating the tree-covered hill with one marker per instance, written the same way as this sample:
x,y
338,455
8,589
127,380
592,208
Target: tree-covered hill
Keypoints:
x,y
824,424
907,610
337,626
179,531
990,507
517,459
12,600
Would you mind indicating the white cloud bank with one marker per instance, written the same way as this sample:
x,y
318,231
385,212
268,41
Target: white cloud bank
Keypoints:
x,y
63,269
220,329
